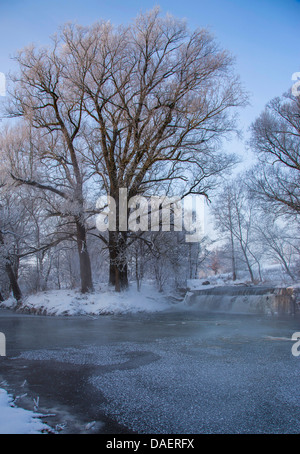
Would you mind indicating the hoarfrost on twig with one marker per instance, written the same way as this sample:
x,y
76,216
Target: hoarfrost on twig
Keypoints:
x,y
36,402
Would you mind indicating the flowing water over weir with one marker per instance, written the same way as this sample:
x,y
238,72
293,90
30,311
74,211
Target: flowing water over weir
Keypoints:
x,y
245,299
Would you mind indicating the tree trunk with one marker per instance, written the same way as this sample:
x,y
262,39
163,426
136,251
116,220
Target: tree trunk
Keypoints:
x,y
138,274
248,264
118,269
13,282
112,258
233,258
84,259
12,276
286,267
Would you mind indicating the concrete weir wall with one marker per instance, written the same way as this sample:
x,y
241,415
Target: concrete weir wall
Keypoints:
x,y
245,299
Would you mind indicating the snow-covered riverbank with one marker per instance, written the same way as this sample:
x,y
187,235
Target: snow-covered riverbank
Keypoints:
x,y
15,420
106,301
103,301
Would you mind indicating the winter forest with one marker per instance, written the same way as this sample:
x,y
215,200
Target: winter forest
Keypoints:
x,y
147,107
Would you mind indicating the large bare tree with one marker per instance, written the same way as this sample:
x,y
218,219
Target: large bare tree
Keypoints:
x,y
142,107
159,99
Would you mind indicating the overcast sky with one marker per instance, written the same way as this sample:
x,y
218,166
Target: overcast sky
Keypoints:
x,y
263,35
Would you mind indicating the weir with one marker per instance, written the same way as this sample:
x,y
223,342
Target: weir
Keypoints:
x,y
245,299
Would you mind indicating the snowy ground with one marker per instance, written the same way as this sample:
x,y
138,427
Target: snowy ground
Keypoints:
x,y
106,301
14,420
213,281
103,301
272,275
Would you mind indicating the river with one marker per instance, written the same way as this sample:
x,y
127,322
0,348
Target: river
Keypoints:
x,y
171,372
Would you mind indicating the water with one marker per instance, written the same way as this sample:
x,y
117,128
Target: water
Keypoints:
x,y
245,299
180,371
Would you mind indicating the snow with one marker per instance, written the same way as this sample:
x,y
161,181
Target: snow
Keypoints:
x,y
197,284
103,301
15,420
272,275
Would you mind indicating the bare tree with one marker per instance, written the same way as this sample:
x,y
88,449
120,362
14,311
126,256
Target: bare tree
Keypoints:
x,y
276,140
11,233
223,210
142,107
159,99
234,212
215,263
278,241
43,96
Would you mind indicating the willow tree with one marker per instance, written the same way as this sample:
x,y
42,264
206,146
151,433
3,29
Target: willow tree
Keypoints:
x,y
159,98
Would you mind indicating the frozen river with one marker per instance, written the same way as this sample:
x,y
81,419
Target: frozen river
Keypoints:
x,y
175,372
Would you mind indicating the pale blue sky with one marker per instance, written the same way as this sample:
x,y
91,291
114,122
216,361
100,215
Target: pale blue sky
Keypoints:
x,y
263,35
